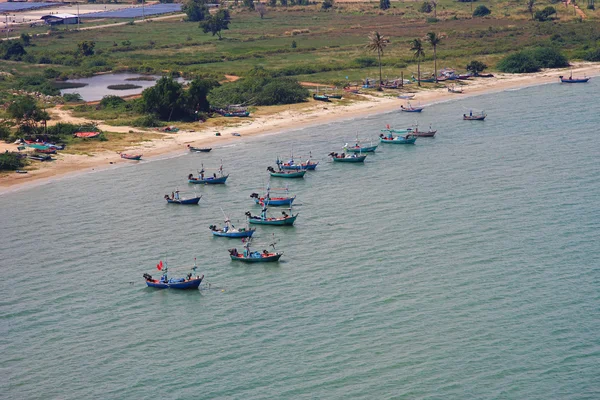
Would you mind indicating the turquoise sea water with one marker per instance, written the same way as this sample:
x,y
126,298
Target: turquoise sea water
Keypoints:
x,y
464,267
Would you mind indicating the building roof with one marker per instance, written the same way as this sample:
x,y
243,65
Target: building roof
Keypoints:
x,y
58,16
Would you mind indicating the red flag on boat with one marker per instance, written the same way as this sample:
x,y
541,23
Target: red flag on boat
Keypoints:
x,y
159,266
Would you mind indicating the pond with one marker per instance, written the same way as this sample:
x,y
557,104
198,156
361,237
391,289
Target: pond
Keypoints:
x,y
96,87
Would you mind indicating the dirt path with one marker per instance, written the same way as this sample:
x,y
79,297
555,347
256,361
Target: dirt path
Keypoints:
x,y
61,115
578,10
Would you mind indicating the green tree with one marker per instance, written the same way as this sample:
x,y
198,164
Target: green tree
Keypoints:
x,y
11,161
272,3
196,10
12,50
378,42
249,4
417,48
27,113
481,11
216,23
196,95
86,48
434,40
165,99
426,7
476,67
545,14
326,5
26,39
384,4
283,3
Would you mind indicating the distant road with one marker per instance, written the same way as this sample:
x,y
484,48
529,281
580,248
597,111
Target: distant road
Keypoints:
x,y
137,21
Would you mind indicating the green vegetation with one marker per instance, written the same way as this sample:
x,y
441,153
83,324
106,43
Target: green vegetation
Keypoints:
x,y
545,14
377,43
11,161
481,11
434,40
258,91
216,23
476,67
592,55
416,46
196,10
533,60
123,86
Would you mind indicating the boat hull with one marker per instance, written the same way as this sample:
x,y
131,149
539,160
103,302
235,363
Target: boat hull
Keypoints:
x,y
369,149
358,159
414,110
200,150
238,234
474,118
424,134
195,200
209,181
308,167
581,80
269,258
276,201
134,158
289,221
291,175
399,140
186,285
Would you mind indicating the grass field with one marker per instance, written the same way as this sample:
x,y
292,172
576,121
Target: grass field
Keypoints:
x,y
326,43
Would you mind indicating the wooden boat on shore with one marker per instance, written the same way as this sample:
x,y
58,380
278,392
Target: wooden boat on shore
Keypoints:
x,y
321,97
474,117
40,157
208,180
87,135
406,96
199,149
333,96
454,89
134,157
175,198
286,174
353,158
164,282
263,219
570,79
230,231
390,138
249,256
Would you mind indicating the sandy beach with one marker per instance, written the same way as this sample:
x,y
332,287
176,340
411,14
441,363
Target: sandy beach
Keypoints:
x,y
313,113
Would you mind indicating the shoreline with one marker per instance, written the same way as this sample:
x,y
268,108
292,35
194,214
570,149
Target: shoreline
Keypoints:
x,y
315,114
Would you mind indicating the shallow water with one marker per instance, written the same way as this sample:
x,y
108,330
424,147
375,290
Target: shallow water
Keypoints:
x,y
466,266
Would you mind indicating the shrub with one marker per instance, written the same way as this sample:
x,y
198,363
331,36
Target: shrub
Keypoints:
x,y
12,50
432,20
111,101
384,4
326,5
476,67
481,11
72,97
518,63
123,86
592,55
50,73
11,161
426,7
545,14
147,121
258,91
4,131
548,57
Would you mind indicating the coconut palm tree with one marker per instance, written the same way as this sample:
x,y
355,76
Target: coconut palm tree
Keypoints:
x,y
434,40
377,42
417,47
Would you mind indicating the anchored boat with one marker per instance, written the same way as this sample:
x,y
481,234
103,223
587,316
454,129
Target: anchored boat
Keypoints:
x,y
191,281
209,180
249,256
262,219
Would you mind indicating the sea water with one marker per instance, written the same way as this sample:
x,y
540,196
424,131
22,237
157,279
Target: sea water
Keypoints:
x,y
463,267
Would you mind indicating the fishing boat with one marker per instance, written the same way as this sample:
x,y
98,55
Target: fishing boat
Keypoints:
x,y
410,108
454,89
176,198
416,132
333,96
474,117
87,135
359,148
40,157
249,256
135,157
20,171
321,97
409,138
191,281
47,150
239,114
406,96
268,200
309,165
199,149
230,231
570,79
353,158
286,174
208,180
262,219
484,75
236,134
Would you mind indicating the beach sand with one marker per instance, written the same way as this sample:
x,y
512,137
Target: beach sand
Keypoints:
x,y
293,118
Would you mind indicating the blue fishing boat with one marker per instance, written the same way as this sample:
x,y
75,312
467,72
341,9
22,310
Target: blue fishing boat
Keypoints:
x,y
286,174
390,138
570,79
249,256
354,158
230,231
263,219
208,180
474,117
309,165
410,108
359,148
191,281
270,200
199,149
176,198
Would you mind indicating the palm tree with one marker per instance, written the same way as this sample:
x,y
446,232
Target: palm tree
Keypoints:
x,y
377,43
434,40
417,47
